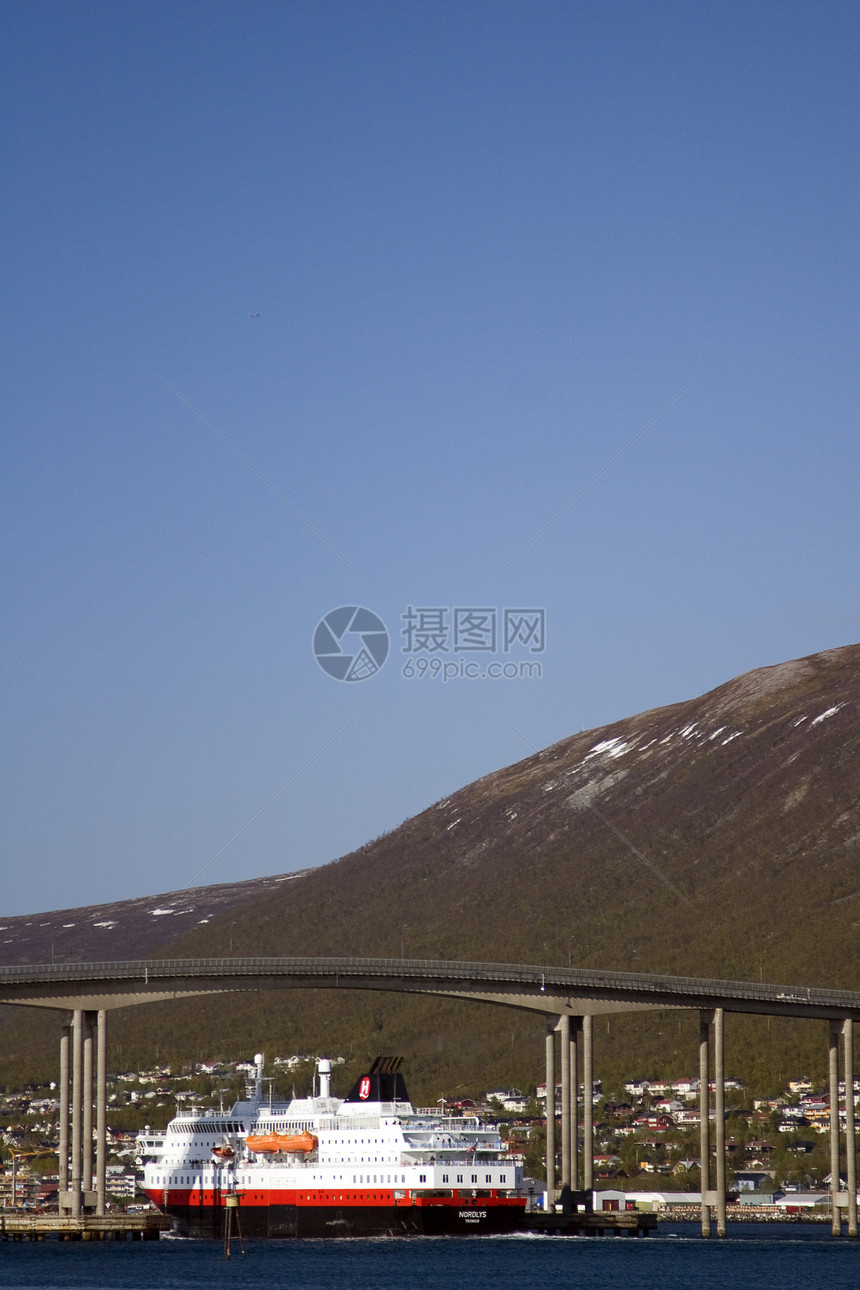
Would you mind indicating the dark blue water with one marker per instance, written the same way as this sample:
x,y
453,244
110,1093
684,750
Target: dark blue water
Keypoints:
x,y
785,1258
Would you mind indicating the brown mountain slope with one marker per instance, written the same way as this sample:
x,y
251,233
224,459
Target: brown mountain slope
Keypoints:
x,y
719,836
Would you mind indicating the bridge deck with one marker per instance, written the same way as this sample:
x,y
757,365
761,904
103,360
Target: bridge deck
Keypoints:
x,y
539,989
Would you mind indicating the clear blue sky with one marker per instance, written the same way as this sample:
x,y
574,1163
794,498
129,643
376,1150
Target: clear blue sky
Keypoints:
x,y
428,268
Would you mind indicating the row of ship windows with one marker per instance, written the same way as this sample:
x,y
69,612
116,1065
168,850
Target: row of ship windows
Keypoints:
x,y
364,1160
185,1181
357,1160
355,1137
236,1126
216,1126
283,1126
423,1178
327,1195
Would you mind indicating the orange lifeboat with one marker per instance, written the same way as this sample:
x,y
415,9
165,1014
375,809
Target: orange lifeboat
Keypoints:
x,y
269,1143
224,1152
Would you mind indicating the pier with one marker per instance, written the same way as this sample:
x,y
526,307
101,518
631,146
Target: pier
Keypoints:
x,y
574,1215
86,1227
596,1223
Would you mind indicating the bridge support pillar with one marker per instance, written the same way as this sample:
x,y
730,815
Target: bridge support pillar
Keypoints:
x,y
568,1030
101,1108
550,1115
720,1118
78,1186
704,1119
566,1046
850,1133
833,1083
575,1023
63,1148
87,1107
587,1103
77,1090
713,1199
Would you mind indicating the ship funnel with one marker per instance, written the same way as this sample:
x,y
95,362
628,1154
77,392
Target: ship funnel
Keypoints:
x,y
324,1068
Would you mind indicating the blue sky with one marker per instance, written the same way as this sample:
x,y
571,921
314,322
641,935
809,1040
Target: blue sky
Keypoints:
x,y
320,304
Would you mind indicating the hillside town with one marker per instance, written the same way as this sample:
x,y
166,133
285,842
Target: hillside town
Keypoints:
x,y
646,1137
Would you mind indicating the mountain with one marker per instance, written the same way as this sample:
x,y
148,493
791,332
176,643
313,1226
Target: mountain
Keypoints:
x,y
128,929
715,837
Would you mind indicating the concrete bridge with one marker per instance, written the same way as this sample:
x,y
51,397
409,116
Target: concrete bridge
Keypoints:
x,y
569,998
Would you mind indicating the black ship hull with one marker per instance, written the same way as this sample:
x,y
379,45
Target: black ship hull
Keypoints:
x,y
266,1222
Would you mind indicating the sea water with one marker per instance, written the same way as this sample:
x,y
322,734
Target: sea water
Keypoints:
x,y
794,1257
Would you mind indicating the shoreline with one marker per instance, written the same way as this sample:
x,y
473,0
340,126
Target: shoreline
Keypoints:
x,y
742,1214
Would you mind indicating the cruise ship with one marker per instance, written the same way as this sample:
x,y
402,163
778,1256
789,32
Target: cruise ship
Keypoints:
x,y
367,1165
